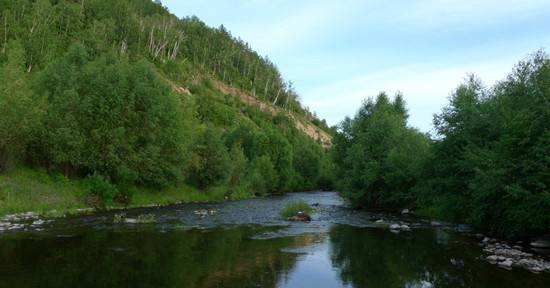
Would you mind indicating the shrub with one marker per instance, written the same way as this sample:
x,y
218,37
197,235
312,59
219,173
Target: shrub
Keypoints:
x,y
102,188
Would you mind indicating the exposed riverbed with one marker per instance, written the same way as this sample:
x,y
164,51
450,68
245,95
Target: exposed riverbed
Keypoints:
x,y
247,244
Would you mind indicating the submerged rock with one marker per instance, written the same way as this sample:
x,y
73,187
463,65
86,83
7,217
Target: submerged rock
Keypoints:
x,y
405,211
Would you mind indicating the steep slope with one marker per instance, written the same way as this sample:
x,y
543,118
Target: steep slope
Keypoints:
x,y
310,129
302,124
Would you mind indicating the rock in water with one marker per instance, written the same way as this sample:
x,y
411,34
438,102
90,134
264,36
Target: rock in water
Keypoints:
x,y
541,244
300,217
395,226
405,211
492,259
506,264
435,223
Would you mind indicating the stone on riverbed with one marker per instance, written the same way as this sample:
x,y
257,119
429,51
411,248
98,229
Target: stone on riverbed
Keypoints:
x,y
493,259
397,227
300,216
507,257
204,212
541,244
38,222
506,264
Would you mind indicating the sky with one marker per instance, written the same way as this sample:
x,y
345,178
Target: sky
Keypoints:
x,y
340,52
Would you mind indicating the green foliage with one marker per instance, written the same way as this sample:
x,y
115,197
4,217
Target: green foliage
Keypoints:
x,y
488,167
210,163
102,188
111,117
378,156
292,209
86,91
263,176
239,165
491,166
20,111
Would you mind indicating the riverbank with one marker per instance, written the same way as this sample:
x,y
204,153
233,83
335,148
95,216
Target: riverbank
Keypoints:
x,y
24,190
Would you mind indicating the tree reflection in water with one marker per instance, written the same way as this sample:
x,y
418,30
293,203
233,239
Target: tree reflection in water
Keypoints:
x,y
421,258
234,256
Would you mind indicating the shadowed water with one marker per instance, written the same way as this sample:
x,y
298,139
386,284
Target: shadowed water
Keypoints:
x,y
246,244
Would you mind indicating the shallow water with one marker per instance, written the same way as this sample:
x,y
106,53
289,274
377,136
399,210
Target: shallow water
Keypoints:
x,y
246,244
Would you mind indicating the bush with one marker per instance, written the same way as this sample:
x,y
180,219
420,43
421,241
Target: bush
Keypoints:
x,y
102,188
292,209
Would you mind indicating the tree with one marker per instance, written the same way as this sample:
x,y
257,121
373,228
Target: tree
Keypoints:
x,y
113,118
239,165
210,163
490,167
378,155
263,176
20,111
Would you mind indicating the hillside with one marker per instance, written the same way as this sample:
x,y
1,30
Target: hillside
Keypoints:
x,y
86,96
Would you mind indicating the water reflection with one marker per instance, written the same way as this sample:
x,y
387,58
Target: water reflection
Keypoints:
x,y
423,258
241,256
218,258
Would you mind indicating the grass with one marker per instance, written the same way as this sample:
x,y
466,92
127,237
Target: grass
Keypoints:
x,y
25,189
429,212
179,194
293,208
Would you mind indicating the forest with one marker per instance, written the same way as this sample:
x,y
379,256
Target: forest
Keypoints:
x,y
121,97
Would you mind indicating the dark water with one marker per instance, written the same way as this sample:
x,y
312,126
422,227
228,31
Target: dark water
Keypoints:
x,y
245,244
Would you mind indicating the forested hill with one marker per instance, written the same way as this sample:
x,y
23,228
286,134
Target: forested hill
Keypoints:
x,y
125,94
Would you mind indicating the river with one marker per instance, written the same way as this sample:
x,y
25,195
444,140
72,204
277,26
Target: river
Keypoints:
x,y
247,244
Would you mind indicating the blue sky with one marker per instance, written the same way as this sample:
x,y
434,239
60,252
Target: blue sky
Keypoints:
x,y
340,52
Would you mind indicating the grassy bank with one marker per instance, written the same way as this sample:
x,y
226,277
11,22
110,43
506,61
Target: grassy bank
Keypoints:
x,y
24,190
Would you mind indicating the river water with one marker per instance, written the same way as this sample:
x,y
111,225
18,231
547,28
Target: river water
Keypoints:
x,y
247,244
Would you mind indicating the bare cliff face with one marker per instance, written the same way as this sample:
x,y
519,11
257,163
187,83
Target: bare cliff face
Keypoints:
x,y
303,125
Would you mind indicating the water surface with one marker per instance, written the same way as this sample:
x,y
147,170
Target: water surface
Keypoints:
x,y
246,244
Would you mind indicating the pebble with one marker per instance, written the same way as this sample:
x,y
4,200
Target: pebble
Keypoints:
x,y
541,244
507,264
130,221
397,227
507,257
